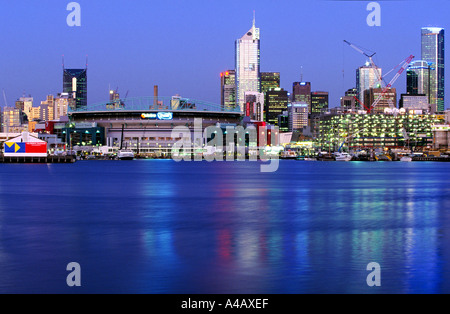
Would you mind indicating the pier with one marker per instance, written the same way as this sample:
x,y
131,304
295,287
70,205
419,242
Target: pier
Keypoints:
x,y
37,160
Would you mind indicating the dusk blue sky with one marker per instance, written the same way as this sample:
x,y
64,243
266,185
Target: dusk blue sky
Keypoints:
x,y
182,45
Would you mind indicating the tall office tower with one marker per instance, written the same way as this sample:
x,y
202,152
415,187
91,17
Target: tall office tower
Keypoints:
x,y
388,100
418,78
367,77
228,90
75,84
433,52
247,64
254,106
276,101
301,92
319,102
269,80
298,116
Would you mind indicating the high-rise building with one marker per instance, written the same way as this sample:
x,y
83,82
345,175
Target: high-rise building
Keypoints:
x,y
387,100
75,84
276,101
298,116
301,92
367,76
47,108
228,90
433,53
418,78
247,64
12,119
269,80
319,102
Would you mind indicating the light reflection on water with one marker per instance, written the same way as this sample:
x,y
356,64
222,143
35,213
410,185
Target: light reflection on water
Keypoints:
x,y
167,227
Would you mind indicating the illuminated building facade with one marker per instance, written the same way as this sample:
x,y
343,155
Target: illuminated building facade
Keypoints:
x,y
433,53
276,101
376,131
269,80
367,77
247,64
228,90
75,84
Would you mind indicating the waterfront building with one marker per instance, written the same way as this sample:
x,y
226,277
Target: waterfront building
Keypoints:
x,y
269,80
301,92
75,84
363,131
388,100
298,116
367,76
247,64
433,53
254,106
228,90
276,101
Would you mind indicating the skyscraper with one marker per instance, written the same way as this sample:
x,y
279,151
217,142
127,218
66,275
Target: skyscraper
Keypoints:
x,y
228,90
269,80
247,64
418,78
366,78
301,92
433,52
75,84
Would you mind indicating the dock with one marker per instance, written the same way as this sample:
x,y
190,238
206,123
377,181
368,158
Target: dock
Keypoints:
x,y
37,160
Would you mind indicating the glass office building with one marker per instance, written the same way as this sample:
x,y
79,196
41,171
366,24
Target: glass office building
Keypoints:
x,y
433,52
247,64
75,84
418,78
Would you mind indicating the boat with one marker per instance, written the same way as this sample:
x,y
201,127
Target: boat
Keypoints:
x,y
406,159
310,159
343,157
288,155
125,155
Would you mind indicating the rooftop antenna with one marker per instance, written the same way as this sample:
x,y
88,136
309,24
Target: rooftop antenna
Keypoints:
x,y
301,73
63,61
254,18
86,62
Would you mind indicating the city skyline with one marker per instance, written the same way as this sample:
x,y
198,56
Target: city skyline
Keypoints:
x,y
133,62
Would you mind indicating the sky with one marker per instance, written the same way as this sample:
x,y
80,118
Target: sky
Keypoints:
x,y
182,46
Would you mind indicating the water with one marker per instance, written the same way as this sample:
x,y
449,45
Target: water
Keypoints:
x,y
157,226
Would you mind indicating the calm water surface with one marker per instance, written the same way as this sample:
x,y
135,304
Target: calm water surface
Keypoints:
x,y
156,226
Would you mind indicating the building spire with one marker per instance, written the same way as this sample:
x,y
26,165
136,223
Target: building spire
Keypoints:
x,y
254,18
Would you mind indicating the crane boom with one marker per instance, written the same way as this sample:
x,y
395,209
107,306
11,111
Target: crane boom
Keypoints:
x,y
388,86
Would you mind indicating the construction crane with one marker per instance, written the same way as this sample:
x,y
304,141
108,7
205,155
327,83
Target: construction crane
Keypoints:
x,y
379,77
403,64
